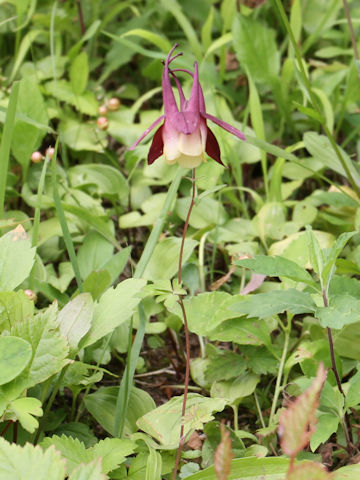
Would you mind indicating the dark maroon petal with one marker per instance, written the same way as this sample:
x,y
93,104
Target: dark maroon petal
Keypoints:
x,y
226,126
212,147
156,149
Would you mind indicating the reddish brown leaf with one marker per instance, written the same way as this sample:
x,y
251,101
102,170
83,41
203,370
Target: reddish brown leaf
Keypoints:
x,y
309,471
223,455
297,423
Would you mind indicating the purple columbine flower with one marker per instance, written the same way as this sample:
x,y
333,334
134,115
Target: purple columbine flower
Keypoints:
x,y
184,136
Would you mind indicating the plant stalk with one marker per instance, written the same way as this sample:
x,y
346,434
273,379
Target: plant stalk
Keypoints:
x,y
186,330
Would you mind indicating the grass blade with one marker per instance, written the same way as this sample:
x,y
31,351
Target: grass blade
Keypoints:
x,y
6,142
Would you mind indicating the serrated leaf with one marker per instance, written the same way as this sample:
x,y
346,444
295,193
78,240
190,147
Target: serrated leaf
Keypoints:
x,y
49,351
29,462
276,267
223,455
264,305
115,306
297,422
163,423
16,258
225,366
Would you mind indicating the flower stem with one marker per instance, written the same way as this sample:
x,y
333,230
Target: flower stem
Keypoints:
x,y
186,330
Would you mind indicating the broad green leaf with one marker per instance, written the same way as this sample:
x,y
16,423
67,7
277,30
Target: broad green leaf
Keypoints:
x,y
63,91
346,342
16,258
327,425
256,49
272,468
163,423
114,307
30,463
207,212
79,73
343,310
233,391
27,137
296,247
207,311
224,366
97,282
297,421
75,319
312,470
82,136
104,180
91,471
332,255
102,406
163,263
49,351
350,472
25,409
276,267
264,305
320,148
15,354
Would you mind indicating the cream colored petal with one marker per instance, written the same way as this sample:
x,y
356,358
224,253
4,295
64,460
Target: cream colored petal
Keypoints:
x,y
171,142
191,144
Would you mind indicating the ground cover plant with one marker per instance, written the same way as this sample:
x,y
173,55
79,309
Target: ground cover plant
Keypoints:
x,y
194,316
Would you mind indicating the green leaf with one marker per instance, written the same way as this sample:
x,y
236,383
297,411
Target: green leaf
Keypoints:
x,y
234,391
63,91
102,406
207,212
111,451
49,351
296,423
272,468
16,258
276,267
115,306
163,423
15,354
82,136
75,319
24,410
91,471
256,49
327,425
153,465
343,310
224,366
163,264
264,305
79,73
312,470
350,472
104,180
27,137
29,462
320,148
332,255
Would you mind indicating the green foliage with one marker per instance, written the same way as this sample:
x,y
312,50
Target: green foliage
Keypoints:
x,y
89,249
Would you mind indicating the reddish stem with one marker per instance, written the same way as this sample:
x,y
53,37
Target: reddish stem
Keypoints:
x,y
186,330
